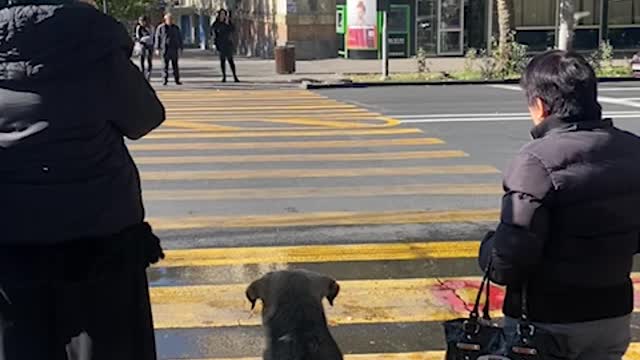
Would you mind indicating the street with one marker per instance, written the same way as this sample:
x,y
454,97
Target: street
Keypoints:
x,y
386,189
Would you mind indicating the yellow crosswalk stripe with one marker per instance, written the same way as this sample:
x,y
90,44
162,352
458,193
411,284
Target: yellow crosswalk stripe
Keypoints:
x,y
238,159
322,192
320,253
343,218
213,109
317,173
329,144
359,302
310,133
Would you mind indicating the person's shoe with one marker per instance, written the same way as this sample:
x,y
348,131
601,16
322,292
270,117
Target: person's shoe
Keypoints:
x,y
236,79
178,83
224,79
165,83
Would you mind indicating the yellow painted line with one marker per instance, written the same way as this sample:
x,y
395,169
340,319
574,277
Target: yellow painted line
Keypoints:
x,y
332,144
238,159
323,123
338,218
198,126
320,253
359,302
424,355
318,192
364,116
258,134
266,108
632,354
317,173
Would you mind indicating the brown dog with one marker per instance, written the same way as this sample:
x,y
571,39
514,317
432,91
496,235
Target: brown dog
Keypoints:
x,y
293,315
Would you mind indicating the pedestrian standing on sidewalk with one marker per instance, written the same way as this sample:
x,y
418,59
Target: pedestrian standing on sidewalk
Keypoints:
x,y
569,226
169,46
74,246
223,30
144,38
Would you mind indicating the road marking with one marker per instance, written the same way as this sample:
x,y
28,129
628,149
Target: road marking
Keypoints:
x,y
322,192
633,353
320,253
258,134
198,126
604,88
506,87
332,124
317,173
338,218
359,302
519,114
616,101
332,144
239,159
602,99
424,355
262,108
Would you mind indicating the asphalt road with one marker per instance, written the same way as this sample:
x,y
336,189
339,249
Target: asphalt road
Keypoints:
x,y
386,189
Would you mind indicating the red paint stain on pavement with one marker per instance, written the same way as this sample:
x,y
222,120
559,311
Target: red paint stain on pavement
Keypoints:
x,y
454,293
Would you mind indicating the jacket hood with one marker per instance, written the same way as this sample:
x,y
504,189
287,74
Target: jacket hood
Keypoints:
x,y
43,39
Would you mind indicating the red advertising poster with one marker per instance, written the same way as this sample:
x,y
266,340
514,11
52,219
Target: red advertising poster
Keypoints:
x,y
362,28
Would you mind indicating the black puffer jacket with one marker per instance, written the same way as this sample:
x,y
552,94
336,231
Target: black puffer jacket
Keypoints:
x,y
68,96
570,224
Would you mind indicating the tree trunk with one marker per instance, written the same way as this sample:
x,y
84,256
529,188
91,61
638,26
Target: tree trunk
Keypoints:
x,y
505,22
567,24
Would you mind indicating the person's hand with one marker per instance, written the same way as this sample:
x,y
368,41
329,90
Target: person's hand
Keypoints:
x,y
157,52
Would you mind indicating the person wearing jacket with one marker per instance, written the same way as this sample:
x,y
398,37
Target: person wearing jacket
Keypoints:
x,y
223,30
169,46
74,245
569,225
144,37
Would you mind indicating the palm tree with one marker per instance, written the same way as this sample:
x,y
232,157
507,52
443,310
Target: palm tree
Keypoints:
x,y
506,31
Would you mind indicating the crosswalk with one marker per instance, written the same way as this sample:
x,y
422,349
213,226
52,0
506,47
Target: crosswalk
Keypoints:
x,y
239,183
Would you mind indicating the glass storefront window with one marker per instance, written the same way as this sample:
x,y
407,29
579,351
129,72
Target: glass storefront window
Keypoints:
x,y
450,15
397,20
593,7
450,42
535,13
620,12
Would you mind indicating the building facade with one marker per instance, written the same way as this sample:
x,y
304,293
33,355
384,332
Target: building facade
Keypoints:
x,y
352,28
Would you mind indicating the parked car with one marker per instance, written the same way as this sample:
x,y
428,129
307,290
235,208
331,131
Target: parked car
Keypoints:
x,y
635,65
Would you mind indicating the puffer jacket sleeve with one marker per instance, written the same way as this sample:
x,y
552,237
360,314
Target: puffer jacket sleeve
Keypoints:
x,y
138,108
517,245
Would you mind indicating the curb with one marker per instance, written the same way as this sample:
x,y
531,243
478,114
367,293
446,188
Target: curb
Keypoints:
x,y
355,85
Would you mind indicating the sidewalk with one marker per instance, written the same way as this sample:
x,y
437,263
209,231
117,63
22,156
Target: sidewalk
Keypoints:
x,y
200,66
202,69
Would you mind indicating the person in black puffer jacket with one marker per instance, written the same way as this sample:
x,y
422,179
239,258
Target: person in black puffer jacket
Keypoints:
x,y
569,226
74,245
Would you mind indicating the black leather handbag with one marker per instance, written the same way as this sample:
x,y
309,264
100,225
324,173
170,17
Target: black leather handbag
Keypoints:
x,y
482,338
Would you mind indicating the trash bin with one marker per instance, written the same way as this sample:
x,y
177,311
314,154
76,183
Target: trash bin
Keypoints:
x,y
285,59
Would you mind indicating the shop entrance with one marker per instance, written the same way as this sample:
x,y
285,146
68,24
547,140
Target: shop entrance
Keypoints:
x,y
440,26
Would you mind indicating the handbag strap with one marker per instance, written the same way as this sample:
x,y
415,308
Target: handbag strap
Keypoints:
x,y
524,313
486,283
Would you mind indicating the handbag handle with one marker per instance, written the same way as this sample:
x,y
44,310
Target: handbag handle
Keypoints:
x,y
486,283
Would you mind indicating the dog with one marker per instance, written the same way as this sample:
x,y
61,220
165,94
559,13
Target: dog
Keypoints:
x,y
293,315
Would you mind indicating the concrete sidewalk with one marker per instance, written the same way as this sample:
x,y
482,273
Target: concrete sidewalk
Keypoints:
x,y
200,66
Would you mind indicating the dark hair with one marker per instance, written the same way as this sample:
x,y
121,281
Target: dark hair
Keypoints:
x,y
143,18
222,11
566,84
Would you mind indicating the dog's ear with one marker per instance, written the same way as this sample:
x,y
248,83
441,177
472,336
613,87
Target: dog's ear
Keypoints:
x,y
332,292
256,291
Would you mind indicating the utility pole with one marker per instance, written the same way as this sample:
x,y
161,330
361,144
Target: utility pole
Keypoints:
x,y
604,20
565,32
385,46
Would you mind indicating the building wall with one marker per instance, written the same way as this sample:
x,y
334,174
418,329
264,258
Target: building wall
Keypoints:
x,y
264,24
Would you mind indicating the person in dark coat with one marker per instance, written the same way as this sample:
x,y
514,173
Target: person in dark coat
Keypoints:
x,y
223,30
569,227
144,37
74,246
169,46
